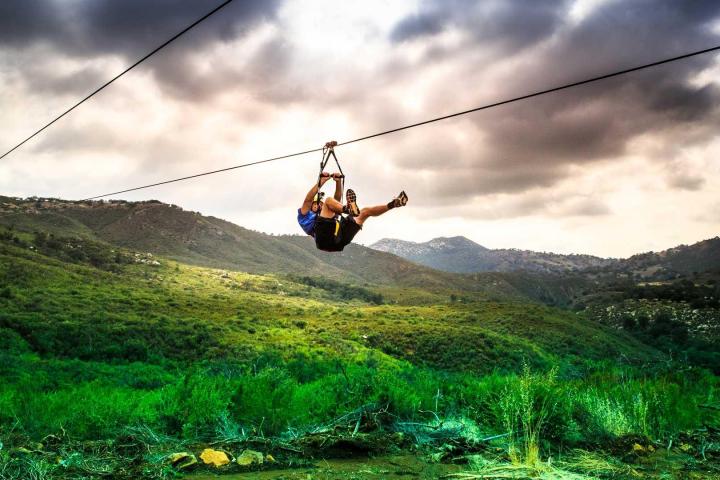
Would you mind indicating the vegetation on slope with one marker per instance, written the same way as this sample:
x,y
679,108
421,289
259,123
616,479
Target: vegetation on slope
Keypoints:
x,y
128,349
138,310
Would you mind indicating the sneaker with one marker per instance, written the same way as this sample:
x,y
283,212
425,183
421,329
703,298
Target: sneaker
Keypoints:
x,y
401,200
351,208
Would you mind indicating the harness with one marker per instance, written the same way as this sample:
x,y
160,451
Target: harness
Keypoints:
x,y
328,151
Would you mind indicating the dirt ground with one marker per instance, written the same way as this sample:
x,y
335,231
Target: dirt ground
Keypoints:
x,y
391,467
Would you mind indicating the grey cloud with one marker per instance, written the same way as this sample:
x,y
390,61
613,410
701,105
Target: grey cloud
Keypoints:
x,y
75,139
527,204
599,120
685,181
509,25
480,182
584,207
42,79
531,143
131,28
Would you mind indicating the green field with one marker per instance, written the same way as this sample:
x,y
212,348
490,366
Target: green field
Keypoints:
x,y
111,360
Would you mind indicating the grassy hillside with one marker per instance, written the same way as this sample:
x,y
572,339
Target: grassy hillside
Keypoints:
x,y
112,358
191,238
134,311
206,241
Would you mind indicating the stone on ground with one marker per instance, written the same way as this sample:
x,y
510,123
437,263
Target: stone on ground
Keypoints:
x,y
216,458
250,457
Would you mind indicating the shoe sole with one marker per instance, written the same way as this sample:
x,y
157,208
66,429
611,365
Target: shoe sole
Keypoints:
x,y
403,198
351,197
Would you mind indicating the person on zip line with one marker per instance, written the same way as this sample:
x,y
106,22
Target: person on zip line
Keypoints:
x,y
332,224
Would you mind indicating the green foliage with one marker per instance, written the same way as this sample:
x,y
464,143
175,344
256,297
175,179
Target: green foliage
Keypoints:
x,y
526,405
80,250
534,407
200,354
684,332
339,290
697,295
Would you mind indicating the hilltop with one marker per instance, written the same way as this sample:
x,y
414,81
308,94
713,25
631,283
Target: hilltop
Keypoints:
x,y
461,255
195,239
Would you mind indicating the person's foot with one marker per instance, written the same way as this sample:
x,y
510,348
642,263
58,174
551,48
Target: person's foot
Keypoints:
x,y
351,207
399,201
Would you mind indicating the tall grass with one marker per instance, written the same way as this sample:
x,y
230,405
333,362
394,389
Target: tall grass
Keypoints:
x,y
526,404
536,409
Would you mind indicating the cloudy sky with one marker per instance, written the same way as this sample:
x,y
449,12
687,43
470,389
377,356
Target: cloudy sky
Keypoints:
x,y
613,168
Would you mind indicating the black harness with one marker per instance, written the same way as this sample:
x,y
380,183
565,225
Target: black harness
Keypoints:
x,y
328,151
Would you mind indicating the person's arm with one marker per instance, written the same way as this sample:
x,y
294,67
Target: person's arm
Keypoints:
x,y
307,203
338,186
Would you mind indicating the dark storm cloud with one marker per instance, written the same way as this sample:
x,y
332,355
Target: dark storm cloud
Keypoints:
x,y
130,28
600,119
529,144
490,21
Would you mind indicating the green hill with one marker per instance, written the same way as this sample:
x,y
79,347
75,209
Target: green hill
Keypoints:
x,y
85,300
194,239
113,358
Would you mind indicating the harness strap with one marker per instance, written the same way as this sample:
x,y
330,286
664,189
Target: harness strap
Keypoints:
x,y
328,150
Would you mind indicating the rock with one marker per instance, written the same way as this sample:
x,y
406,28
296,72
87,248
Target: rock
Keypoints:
x,y
642,450
216,458
251,457
182,460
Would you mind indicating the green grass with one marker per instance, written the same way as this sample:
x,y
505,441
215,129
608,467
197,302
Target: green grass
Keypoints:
x,y
93,346
206,401
139,312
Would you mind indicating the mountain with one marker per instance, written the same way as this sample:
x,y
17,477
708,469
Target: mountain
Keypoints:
x,y
194,239
702,256
461,255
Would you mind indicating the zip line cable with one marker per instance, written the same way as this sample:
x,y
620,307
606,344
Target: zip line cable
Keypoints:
x,y
168,42
206,173
436,119
536,94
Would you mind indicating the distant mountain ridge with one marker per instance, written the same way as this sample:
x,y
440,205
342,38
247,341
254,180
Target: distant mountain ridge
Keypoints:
x,y
461,255
189,237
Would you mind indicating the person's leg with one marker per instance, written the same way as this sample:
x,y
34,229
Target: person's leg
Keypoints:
x,y
330,208
367,212
376,211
